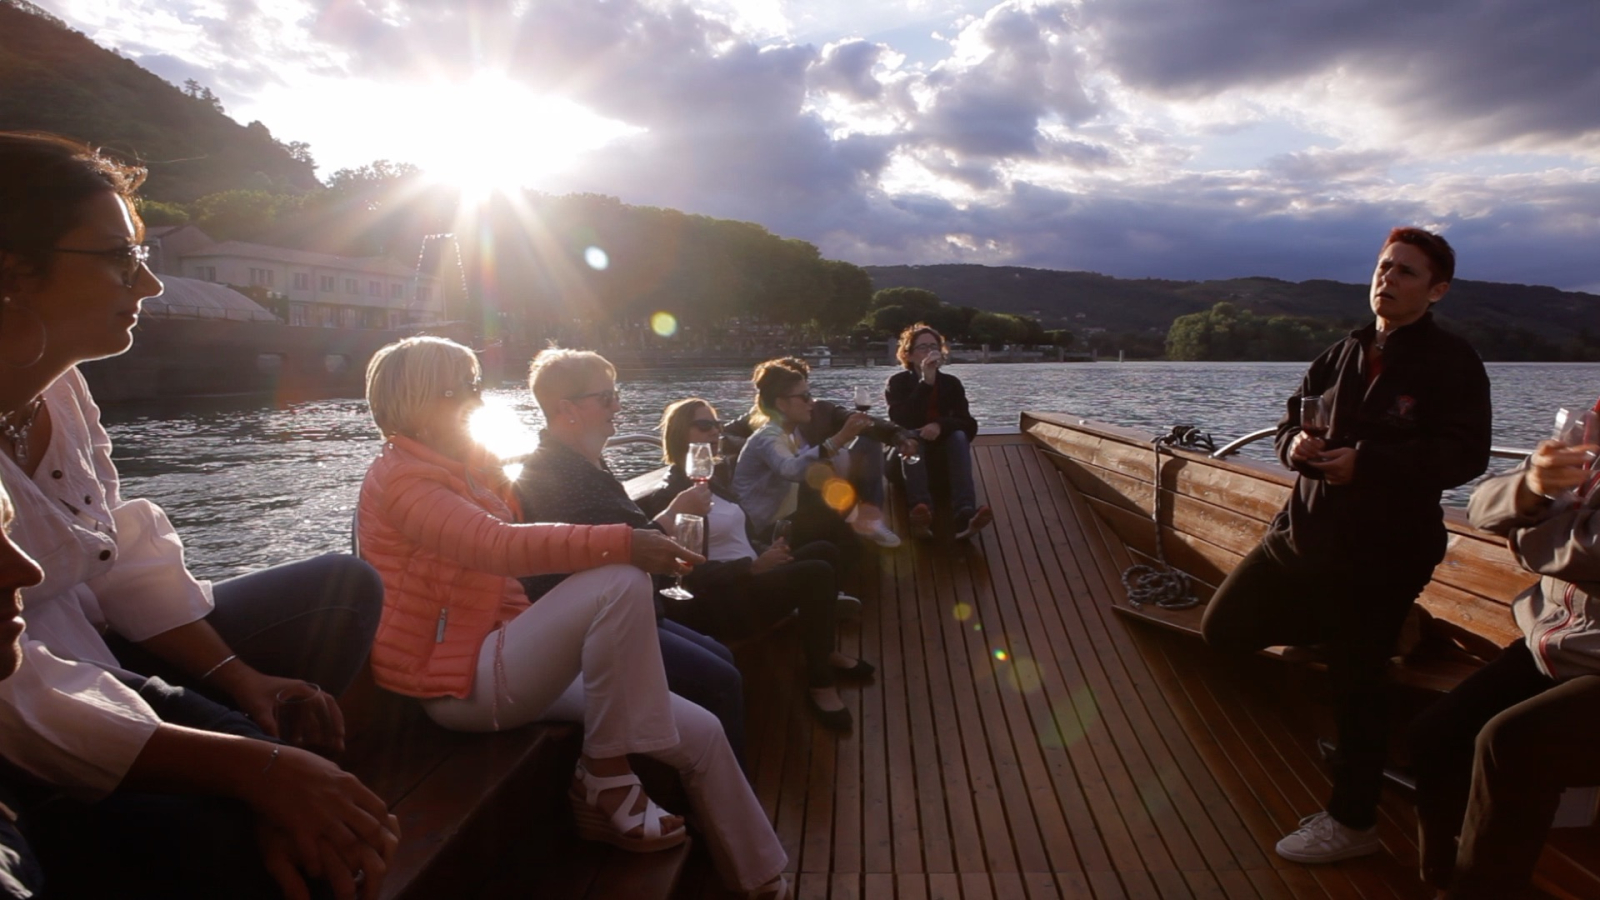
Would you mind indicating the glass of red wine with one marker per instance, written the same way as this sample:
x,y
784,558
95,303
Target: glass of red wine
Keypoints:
x,y
863,398
1314,417
702,462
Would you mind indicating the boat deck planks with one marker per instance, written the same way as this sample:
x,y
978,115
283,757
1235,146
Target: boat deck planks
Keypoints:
x,y
1092,757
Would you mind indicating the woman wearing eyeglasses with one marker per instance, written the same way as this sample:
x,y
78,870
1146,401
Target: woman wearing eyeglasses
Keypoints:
x,y
740,592
117,599
933,403
773,465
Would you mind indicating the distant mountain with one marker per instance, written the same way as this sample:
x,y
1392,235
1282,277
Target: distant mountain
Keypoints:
x,y
1080,301
55,79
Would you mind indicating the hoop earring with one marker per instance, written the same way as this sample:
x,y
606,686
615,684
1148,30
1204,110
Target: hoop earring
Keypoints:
x,y
7,303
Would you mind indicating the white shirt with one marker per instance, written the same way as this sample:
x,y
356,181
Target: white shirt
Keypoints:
x,y
109,563
727,538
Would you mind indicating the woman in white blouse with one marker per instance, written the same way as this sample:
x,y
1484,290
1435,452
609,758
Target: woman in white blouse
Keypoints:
x,y
117,605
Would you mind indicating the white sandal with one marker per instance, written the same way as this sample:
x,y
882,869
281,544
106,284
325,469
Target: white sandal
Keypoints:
x,y
594,825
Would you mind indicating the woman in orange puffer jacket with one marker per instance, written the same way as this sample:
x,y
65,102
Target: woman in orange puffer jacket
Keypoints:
x,y
436,519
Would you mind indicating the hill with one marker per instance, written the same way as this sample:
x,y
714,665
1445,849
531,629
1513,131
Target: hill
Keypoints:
x,y
1493,314
55,79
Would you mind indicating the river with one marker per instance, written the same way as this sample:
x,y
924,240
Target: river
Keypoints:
x,y
250,484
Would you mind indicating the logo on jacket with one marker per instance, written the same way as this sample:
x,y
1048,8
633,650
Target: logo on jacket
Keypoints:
x,y
1404,406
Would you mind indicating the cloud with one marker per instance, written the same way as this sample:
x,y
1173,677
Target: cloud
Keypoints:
x,y
1473,73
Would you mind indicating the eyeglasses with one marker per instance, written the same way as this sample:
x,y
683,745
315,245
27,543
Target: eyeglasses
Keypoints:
x,y
706,425
924,346
474,387
607,397
131,259
803,396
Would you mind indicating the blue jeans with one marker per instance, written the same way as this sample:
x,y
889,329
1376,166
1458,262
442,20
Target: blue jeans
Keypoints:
x,y
701,670
313,620
954,450
866,471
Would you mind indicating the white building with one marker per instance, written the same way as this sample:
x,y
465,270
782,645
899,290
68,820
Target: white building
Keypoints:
x,y
313,289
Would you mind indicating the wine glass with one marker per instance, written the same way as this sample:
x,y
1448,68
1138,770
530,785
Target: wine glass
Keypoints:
x,y
781,530
914,457
1314,417
689,531
701,462
863,398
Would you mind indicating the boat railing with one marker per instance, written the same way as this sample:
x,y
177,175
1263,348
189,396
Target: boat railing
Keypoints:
x,y
639,437
1233,446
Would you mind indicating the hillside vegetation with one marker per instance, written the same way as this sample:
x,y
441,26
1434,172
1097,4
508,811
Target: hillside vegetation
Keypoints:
x,y
55,79
1504,321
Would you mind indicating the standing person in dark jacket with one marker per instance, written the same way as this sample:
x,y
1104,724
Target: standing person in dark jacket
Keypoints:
x,y
934,404
1358,540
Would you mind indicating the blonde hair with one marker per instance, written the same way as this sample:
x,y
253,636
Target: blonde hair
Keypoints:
x,y
405,376
675,421
558,374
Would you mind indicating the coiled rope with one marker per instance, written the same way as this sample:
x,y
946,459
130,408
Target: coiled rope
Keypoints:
x,y
1161,585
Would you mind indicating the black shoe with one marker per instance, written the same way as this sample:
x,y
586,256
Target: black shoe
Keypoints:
x,y
831,719
861,671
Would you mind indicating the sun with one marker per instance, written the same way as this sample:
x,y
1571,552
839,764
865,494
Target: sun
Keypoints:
x,y
490,133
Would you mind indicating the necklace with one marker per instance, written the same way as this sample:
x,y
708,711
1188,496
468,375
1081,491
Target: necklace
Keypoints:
x,y
16,426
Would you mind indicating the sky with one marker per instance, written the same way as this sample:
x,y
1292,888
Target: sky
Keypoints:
x,y
1187,139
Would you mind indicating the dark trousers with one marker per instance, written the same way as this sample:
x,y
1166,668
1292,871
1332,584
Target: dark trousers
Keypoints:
x,y
701,670
152,846
1491,760
1276,597
312,620
814,520
807,585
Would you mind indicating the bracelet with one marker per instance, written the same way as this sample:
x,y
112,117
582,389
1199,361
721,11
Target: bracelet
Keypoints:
x,y
213,670
276,749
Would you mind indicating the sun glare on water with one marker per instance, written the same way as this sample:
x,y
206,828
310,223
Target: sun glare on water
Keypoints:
x,y
492,134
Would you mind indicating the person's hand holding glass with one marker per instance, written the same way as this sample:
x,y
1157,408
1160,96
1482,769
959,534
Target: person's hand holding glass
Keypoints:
x,y
688,531
1558,468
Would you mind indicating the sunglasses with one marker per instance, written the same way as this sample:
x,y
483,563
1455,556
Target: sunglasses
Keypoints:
x,y
130,258
804,395
924,346
607,397
474,387
706,425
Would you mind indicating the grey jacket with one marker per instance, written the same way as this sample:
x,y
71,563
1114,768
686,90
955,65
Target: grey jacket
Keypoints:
x,y
1560,542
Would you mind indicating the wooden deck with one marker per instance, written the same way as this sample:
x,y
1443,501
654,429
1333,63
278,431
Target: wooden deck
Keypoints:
x,y
1021,740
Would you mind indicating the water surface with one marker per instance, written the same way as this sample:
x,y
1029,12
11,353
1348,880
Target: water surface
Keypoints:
x,y
251,485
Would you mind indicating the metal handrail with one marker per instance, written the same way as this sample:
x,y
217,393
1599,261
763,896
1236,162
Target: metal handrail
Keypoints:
x,y
1234,445
638,437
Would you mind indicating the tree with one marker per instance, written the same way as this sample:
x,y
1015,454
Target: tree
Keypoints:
x,y
300,151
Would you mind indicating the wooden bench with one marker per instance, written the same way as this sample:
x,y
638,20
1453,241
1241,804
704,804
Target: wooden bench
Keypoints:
x,y
485,815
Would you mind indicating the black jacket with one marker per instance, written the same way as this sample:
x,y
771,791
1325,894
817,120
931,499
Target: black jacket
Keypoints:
x,y
1422,428
908,395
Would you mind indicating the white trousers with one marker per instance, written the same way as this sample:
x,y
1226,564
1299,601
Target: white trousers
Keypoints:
x,y
588,652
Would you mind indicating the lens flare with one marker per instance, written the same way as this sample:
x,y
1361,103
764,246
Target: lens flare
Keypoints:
x,y
1023,675
597,259
838,494
1001,655
496,426
818,475
962,611
1072,720
664,324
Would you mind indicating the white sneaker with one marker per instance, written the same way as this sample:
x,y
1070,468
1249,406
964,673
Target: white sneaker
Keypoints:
x,y
1321,839
880,534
